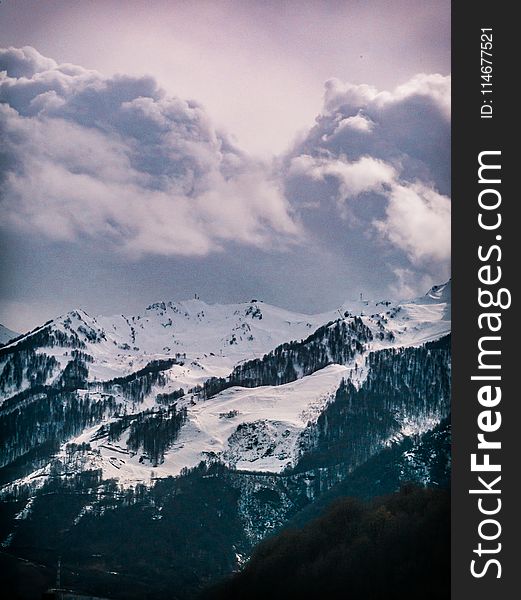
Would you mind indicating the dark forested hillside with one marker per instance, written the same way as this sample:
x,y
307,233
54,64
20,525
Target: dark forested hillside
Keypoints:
x,y
405,385
190,531
392,548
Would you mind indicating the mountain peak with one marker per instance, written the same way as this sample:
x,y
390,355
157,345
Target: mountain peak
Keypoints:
x,y
6,335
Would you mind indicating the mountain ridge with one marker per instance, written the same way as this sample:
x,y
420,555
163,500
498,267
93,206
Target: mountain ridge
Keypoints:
x,y
247,417
117,355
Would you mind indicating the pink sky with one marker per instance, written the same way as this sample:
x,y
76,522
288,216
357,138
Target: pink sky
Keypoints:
x,y
257,67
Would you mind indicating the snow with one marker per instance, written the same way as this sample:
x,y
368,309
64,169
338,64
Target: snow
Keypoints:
x,y
215,338
255,429
247,428
280,414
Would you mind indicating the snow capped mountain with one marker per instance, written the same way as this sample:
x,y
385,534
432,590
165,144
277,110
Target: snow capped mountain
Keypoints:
x,y
242,384
222,335
200,429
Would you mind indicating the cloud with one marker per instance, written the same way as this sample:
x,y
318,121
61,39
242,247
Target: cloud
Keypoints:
x,y
384,158
115,161
408,127
409,284
433,88
116,164
418,222
354,178
24,62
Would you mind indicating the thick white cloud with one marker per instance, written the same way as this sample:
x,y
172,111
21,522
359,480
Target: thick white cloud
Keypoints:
x,y
24,62
418,222
408,127
117,161
390,152
348,96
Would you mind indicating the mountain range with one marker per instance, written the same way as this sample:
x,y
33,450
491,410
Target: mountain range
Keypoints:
x,y
155,451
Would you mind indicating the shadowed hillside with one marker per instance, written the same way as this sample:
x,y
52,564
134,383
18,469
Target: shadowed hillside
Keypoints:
x,y
393,547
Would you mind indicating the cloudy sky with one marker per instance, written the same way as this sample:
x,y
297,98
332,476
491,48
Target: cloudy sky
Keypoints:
x,y
297,152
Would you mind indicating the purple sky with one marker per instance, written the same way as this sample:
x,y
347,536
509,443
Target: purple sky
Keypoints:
x,y
258,67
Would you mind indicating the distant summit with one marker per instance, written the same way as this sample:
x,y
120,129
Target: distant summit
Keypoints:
x,y
6,335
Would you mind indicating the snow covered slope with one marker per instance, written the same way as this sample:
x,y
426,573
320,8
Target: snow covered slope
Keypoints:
x,y
214,338
129,395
